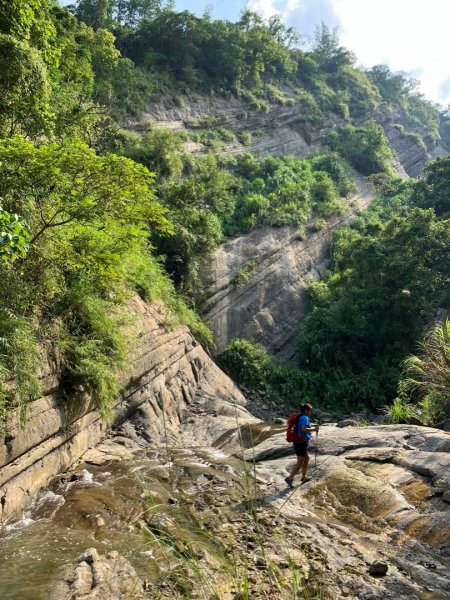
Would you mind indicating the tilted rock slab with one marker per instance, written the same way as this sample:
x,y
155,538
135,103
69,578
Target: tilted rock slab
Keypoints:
x,y
167,369
271,306
377,493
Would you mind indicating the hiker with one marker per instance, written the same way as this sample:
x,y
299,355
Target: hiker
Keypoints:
x,y
304,430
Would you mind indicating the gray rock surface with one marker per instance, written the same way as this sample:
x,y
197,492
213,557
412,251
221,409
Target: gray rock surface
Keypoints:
x,y
377,496
167,369
282,130
270,307
98,578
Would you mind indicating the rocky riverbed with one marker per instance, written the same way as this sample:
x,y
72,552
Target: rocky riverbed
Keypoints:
x,y
207,515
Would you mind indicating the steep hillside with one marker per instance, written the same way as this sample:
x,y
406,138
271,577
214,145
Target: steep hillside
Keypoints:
x,y
280,130
255,286
270,301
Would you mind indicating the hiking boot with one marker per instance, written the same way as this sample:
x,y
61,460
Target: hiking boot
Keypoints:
x,y
289,481
305,479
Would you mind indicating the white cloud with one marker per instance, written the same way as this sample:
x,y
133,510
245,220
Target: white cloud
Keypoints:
x,y
407,35
303,14
266,8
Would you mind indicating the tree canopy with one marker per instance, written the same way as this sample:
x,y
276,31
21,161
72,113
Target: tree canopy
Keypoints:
x,y
90,211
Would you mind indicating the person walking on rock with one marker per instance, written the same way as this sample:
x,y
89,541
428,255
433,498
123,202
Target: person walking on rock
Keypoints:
x,y
303,435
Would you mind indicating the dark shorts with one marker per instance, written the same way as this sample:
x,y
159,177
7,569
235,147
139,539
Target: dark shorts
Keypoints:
x,y
301,448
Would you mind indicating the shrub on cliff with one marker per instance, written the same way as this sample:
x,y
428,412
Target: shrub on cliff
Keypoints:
x,y
89,218
433,188
365,147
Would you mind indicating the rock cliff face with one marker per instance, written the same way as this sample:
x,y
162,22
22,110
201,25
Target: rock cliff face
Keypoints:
x,y
168,368
278,131
282,130
413,146
271,304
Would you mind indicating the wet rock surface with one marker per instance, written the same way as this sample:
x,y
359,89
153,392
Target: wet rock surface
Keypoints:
x,y
109,577
208,514
167,369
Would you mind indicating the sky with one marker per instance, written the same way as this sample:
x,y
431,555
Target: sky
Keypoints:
x,y
407,35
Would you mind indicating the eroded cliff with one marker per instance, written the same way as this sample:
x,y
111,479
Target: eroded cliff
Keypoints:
x,y
280,130
255,286
167,369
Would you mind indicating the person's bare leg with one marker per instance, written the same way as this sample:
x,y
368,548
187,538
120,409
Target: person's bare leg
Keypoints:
x,y
297,467
304,466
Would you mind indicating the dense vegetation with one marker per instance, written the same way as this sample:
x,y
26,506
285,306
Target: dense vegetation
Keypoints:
x,y
75,219
219,197
389,273
90,213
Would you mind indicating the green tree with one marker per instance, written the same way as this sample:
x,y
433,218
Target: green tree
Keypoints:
x,y
386,283
327,51
249,363
424,113
433,188
89,218
95,13
61,184
14,236
159,150
394,87
130,13
198,205
25,90
30,22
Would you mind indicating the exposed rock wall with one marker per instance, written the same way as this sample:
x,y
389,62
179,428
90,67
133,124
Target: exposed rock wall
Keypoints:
x,y
282,130
271,306
278,131
412,144
167,368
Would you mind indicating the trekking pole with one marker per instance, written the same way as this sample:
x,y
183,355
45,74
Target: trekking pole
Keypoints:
x,y
315,454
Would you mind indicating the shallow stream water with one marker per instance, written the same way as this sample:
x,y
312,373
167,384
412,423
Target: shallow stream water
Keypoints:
x,y
151,510
105,508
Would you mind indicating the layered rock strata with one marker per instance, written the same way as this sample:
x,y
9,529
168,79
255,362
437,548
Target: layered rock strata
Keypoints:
x,y
270,305
280,130
167,369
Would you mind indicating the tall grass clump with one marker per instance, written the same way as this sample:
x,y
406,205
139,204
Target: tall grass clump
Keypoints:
x,y
19,365
93,349
424,389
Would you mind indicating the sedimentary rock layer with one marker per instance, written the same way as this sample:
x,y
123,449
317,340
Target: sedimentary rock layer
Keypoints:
x,y
166,370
